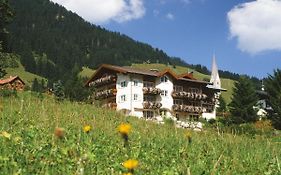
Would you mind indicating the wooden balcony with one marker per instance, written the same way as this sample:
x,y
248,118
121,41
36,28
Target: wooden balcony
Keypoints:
x,y
188,108
189,95
105,94
103,81
151,105
151,90
110,105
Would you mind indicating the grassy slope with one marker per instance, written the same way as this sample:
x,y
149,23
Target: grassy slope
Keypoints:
x,y
226,83
27,77
160,149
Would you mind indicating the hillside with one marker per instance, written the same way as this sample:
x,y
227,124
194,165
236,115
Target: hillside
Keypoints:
x,y
64,40
226,83
28,144
27,77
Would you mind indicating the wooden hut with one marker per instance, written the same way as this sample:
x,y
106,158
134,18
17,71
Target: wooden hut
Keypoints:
x,y
12,83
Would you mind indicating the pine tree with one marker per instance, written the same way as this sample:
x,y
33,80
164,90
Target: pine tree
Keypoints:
x,y
58,90
222,105
6,15
35,85
2,71
273,88
243,100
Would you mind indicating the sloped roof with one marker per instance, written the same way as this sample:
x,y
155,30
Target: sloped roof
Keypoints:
x,y
10,79
118,69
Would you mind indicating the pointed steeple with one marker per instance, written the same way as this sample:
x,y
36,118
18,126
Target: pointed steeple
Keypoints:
x,y
215,79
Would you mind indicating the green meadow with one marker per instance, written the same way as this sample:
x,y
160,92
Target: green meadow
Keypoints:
x,y
28,144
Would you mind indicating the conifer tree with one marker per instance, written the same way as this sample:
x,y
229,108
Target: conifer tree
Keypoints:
x,y
222,105
273,88
58,90
243,100
35,85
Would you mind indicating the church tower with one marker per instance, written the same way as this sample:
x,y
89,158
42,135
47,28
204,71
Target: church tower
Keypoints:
x,y
215,78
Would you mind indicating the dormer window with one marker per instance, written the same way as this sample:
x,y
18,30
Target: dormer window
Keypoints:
x,y
164,79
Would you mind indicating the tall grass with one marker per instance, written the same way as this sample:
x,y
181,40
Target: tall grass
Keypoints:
x,y
160,149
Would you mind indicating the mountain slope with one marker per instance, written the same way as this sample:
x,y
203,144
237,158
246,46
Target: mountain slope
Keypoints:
x,y
66,40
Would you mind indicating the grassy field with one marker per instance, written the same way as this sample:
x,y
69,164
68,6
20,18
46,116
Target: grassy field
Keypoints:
x,y
27,77
28,144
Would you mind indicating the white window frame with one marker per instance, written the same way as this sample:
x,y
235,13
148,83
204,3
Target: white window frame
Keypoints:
x,y
164,93
123,98
135,97
135,82
123,84
164,79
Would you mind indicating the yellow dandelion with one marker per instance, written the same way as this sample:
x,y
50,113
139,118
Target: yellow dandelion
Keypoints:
x,y
5,134
87,128
131,164
127,174
124,128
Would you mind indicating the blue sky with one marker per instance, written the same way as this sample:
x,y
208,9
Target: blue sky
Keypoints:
x,y
246,39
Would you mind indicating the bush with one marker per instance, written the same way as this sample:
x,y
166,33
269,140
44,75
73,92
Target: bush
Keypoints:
x,y
8,93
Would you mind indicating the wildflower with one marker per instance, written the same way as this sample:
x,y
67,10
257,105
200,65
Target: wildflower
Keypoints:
x,y
5,134
124,128
131,164
127,174
188,136
59,132
87,128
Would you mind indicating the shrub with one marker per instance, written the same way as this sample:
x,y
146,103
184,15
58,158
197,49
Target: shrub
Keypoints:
x,y
8,93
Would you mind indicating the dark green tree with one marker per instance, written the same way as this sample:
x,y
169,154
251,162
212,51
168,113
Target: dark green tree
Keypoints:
x,y
35,85
2,70
222,104
273,88
6,15
243,100
58,90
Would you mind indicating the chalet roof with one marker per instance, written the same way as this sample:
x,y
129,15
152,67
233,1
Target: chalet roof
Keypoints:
x,y
10,79
118,69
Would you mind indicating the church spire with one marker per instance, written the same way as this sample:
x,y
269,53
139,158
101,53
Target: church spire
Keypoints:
x,y
215,79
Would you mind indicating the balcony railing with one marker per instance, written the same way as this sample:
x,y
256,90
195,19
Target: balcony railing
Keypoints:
x,y
188,108
105,94
151,90
151,105
103,81
189,95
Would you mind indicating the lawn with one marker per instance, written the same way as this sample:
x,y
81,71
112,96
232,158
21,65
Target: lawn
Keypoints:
x,y
28,144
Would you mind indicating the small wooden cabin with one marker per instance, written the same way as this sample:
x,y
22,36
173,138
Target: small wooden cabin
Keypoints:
x,y
13,83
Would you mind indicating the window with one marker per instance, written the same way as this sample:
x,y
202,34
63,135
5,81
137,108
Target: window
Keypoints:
x,y
123,98
194,90
136,83
135,97
164,79
178,102
149,98
148,84
148,114
178,88
164,93
123,84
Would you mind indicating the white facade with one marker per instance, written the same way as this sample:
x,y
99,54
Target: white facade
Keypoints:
x,y
129,94
154,95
